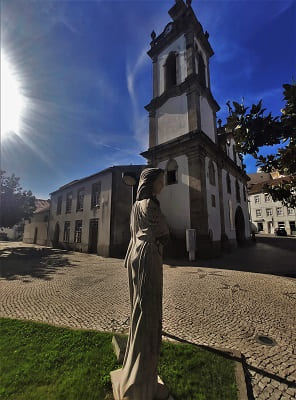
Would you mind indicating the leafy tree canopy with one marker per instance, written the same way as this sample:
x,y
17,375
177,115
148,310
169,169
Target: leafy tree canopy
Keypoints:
x,y
15,203
252,129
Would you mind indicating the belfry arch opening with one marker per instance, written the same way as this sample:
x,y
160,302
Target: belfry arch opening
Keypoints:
x,y
171,70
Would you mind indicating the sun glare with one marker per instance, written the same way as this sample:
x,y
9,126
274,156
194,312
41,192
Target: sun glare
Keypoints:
x,y
12,101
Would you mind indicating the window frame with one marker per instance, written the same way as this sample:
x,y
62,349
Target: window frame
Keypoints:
x,y
212,173
79,203
69,200
267,198
78,232
59,205
96,201
67,231
258,212
172,166
170,70
257,196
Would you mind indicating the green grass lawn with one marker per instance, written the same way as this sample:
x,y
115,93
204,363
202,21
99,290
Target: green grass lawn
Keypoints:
x,y
44,362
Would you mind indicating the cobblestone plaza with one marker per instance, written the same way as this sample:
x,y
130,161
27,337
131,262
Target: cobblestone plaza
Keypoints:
x,y
214,307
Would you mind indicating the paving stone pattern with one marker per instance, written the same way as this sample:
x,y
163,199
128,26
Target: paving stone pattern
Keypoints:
x,y
219,308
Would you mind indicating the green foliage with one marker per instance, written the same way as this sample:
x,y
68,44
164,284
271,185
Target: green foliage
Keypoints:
x,y
15,204
252,130
44,362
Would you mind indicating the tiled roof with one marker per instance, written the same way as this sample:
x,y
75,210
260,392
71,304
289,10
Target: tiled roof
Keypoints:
x,y
259,187
41,205
97,173
259,177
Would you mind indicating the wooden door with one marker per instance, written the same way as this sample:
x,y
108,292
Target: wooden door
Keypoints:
x,y
93,235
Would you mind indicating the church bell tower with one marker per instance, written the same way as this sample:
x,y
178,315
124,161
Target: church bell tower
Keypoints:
x,y
182,99
182,122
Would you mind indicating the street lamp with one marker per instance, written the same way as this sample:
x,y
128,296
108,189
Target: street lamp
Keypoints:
x,y
130,179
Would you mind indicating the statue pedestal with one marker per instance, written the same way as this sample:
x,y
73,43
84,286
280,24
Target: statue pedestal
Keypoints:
x,y
119,345
162,390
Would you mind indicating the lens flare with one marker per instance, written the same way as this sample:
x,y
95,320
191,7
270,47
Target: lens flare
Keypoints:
x,y
12,100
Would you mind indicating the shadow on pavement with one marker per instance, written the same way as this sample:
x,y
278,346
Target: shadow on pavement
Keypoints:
x,y
267,256
31,261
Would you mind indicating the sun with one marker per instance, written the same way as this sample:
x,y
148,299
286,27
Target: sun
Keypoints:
x,y
12,100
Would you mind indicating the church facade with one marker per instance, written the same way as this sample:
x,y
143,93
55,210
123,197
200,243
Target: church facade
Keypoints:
x,y
205,183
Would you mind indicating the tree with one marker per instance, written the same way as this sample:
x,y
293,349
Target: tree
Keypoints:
x,y
252,130
15,204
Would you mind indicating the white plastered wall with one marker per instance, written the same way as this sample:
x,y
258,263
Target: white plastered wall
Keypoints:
x,y
103,213
174,199
172,119
214,221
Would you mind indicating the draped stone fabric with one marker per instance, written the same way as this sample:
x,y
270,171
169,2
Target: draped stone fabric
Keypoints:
x,y
137,380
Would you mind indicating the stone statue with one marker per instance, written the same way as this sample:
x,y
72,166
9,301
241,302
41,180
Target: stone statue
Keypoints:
x,y
137,379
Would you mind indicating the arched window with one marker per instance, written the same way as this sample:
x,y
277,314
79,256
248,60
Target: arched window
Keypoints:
x,y
212,173
172,172
170,70
237,189
234,154
201,70
228,183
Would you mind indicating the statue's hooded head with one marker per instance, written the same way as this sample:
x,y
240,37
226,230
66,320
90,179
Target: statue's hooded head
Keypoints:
x,y
147,178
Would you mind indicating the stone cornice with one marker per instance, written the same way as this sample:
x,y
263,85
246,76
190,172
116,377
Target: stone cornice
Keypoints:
x,y
195,143
190,84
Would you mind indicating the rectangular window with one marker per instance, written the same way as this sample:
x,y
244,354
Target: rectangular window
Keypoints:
x,y
281,225
69,202
67,231
213,200
279,211
78,231
258,213
291,211
268,212
267,197
59,205
257,199
95,195
171,177
80,198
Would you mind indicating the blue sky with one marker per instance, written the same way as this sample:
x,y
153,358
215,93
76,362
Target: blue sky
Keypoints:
x,y
86,77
